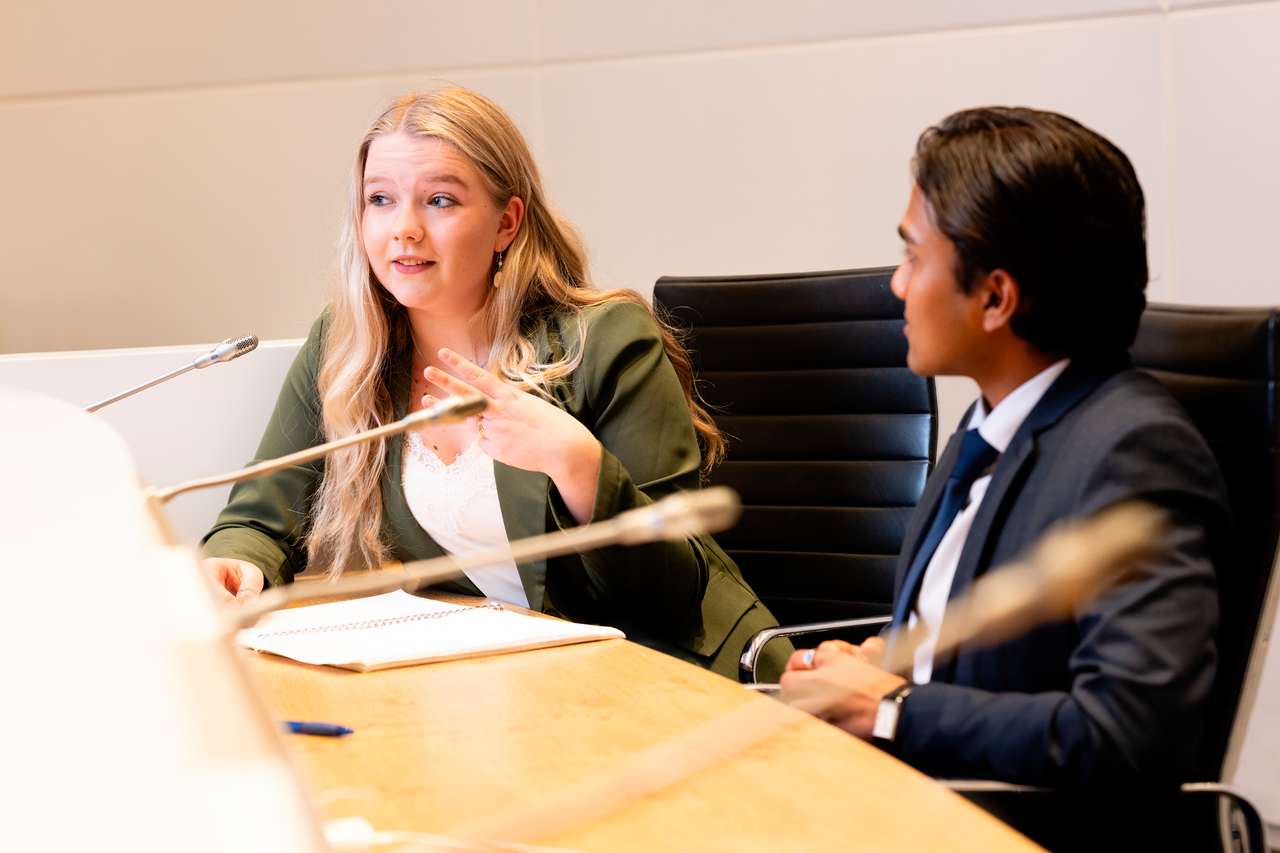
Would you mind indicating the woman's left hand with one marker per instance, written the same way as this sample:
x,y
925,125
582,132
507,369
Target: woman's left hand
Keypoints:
x,y
524,431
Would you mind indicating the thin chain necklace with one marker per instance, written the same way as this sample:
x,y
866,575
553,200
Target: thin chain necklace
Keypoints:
x,y
414,340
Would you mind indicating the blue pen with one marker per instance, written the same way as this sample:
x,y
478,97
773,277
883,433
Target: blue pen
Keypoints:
x,y
322,729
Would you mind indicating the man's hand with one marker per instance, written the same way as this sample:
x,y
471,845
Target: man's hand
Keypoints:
x,y
840,683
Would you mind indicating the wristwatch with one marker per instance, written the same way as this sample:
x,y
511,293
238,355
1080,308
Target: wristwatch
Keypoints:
x,y
886,725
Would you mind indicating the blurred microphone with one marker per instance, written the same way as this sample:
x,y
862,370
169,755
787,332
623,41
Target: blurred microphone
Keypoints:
x,y
228,350
447,411
1072,563
1067,567
675,517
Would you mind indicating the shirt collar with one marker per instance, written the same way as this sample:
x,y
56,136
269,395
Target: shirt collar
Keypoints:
x,y
998,426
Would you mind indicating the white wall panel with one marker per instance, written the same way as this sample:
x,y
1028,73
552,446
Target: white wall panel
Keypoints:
x,y
798,160
575,29
159,218
76,46
1226,85
202,423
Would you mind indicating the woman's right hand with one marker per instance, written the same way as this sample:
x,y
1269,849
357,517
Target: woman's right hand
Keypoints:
x,y
234,581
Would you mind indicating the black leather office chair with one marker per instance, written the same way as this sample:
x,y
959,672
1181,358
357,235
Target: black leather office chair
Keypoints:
x,y
1223,366
830,435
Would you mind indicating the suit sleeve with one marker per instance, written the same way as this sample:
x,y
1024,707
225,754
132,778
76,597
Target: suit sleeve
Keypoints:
x,y
1143,658
628,395
265,520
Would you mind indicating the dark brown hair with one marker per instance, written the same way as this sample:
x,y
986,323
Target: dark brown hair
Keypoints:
x,y
1055,205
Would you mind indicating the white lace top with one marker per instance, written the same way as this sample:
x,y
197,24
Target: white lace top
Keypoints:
x,y
458,506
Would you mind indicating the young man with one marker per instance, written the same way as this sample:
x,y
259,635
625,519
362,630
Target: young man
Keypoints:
x,y
1025,270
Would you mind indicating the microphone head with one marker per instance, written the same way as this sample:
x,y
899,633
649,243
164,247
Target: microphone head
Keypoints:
x,y
228,350
681,515
449,410
240,346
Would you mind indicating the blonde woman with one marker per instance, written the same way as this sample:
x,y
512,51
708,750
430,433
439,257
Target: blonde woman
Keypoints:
x,y
457,276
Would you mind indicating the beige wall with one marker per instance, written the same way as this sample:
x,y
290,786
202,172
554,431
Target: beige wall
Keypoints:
x,y
172,172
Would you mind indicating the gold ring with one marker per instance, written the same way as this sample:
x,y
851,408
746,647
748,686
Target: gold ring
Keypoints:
x,y
480,425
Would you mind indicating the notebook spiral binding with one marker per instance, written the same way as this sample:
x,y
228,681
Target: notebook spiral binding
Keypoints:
x,y
378,623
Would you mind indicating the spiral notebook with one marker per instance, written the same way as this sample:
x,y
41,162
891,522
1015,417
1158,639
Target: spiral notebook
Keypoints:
x,y
399,629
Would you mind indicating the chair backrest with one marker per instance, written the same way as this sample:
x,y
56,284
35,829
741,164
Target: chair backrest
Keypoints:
x,y
830,435
1221,365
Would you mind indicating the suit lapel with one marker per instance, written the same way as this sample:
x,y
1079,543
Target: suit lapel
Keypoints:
x,y
1078,381
523,498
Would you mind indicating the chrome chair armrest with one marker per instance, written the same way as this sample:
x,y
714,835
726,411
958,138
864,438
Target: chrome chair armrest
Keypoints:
x,y
1206,816
976,785
751,651
1240,826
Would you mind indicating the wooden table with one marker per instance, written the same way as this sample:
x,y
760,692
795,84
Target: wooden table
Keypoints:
x,y
445,744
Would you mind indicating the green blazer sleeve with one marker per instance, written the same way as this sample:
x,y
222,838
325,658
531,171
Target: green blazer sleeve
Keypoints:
x,y
264,522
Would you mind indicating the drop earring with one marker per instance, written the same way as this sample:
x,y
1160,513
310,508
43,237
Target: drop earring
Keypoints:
x,y
500,257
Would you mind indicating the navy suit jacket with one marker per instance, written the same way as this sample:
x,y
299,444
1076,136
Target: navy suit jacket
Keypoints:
x,y
1117,694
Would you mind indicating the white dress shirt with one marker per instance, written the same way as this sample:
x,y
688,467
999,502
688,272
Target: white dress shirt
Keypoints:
x,y
997,428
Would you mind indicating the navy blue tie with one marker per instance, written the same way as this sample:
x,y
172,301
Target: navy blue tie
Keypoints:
x,y
975,457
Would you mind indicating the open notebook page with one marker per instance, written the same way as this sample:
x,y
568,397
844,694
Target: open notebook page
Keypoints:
x,y
399,629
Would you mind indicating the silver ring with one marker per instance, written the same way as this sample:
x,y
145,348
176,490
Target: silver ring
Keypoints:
x,y
808,657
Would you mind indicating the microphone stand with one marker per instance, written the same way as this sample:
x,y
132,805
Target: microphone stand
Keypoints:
x,y
446,411
677,516
228,350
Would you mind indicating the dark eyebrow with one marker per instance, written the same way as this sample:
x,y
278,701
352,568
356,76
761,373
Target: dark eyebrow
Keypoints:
x,y
906,238
442,178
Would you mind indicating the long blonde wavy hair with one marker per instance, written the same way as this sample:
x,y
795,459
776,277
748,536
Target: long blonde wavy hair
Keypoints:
x,y
544,272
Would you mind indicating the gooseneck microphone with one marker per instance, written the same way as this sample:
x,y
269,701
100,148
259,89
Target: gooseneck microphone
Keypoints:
x,y
1067,567
447,411
678,516
228,350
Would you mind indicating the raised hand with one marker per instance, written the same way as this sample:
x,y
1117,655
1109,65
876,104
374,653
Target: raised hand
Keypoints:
x,y
525,431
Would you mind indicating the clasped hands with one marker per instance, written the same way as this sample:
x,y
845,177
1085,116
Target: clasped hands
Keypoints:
x,y
840,683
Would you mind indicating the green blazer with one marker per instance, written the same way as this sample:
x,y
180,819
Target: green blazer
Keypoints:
x,y
685,598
